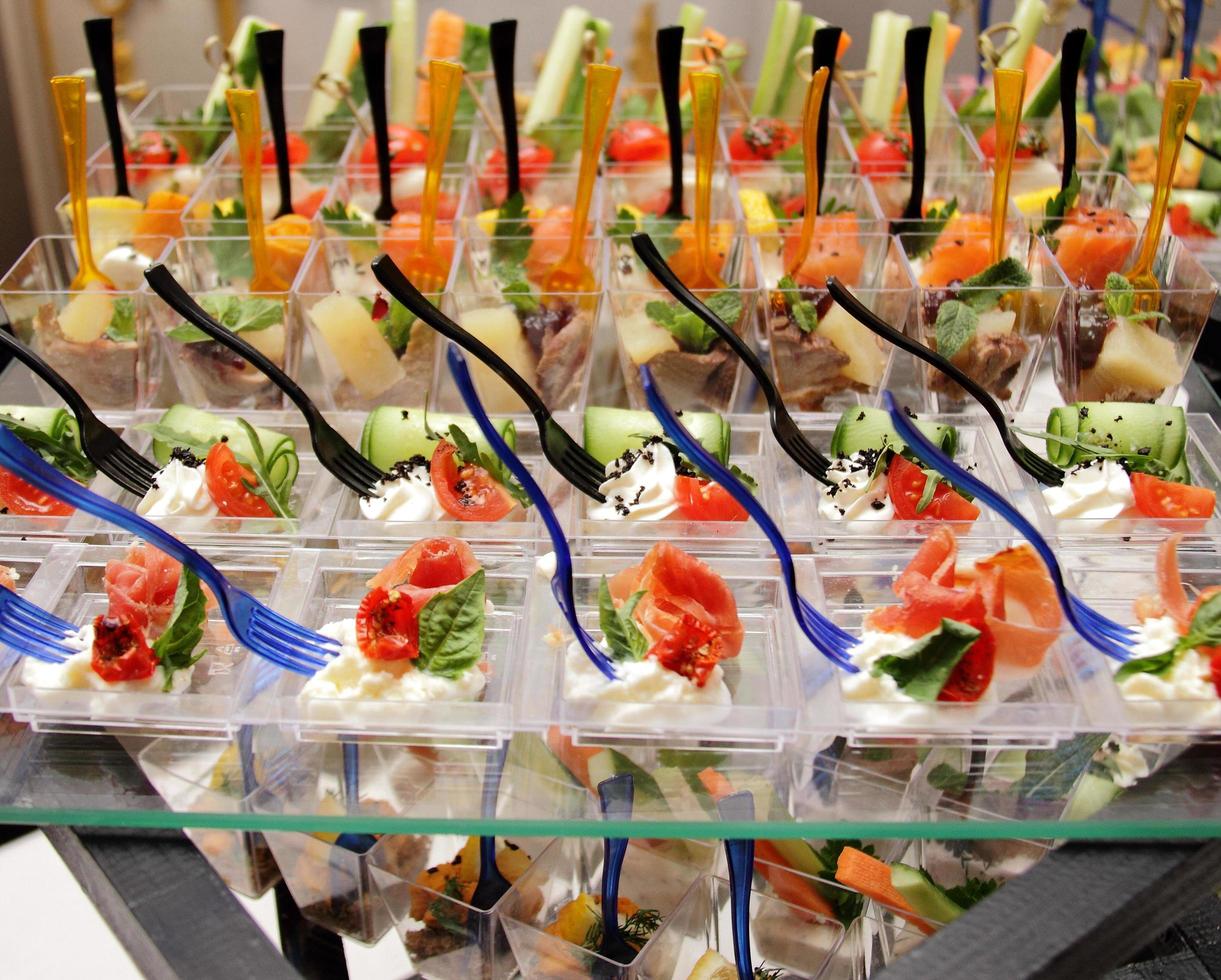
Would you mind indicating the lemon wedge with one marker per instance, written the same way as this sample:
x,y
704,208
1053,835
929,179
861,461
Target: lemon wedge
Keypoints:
x,y
1032,202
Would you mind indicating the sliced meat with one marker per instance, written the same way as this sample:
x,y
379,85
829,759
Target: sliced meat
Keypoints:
x,y
104,372
229,380
808,366
991,360
691,381
561,363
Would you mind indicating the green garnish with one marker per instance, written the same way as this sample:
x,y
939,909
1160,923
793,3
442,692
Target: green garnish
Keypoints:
x,y
278,494
122,326
848,905
236,313
636,929
444,913
623,225
619,629
470,453
347,221
692,333
1203,631
512,239
1056,208
229,246
923,234
921,671
972,891
958,318
175,648
1134,462
65,455
451,628
1120,300
946,778
802,312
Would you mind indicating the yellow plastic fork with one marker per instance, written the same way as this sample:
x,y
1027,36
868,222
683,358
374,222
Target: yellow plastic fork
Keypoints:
x,y
571,274
809,149
425,266
1010,87
1181,96
244,111
69,94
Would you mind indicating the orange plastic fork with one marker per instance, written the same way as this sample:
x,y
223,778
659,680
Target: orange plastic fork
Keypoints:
x,y
244,110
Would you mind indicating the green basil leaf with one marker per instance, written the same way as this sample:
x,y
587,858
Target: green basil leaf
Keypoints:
x,y
175,648
955,328
451,628
122,326
1055,209
1158,664
1205,628
623,636
923,668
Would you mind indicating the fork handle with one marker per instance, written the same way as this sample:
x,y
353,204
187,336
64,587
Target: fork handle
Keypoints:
x,y
915,60
99,35
502,38
270,48
373,64
169,289
825,50
1070,67
404,290
669,71
58,383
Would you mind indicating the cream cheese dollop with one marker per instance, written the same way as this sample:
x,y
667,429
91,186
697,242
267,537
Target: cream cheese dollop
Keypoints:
x,y
405,495
1189,679
1099,489
856,494
639,486
179,489
124,265
863,686
77,673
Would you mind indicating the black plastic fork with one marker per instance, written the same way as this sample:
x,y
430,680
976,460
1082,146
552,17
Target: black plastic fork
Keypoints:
x,y
103,446
334,452
562,451
1045,471
786,431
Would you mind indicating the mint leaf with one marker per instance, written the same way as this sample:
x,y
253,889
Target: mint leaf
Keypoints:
x,y
175,647
451,628
1118,296
955,327
923,668
945,777
692,333
623,225
1055,209
987,287
521,295
619,629
122,326
235,313
396,326
228,243
347,221
513,237
661,229
920,239
801,311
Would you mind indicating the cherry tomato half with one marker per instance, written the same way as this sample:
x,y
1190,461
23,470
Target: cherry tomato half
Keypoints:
x,y
638,141
692,648
534,159
763,139
26,500
973,673
703,500
1164,498
226,479
388,626
905,482
152,149
465,491
1185,226
120,651
884,154
407,146
298,151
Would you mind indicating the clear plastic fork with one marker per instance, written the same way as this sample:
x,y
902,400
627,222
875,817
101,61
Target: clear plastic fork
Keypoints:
x,y
834,642
1112,638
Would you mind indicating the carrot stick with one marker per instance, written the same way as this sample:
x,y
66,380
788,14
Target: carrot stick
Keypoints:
x,y
952,33
845,42
443,41
716,784
871,878
794,888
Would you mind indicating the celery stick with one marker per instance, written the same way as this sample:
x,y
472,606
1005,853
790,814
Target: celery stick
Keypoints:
x,y
691,20
885,60
562,59
934,68
572,106
1028,19
341,52
791,96
245,67
403,21
784,23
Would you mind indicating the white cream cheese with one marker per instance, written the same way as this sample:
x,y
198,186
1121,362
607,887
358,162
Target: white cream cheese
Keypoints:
x,y
640,491
125,266
857,495
643,689
545,565
77,673
1099,489
1125,763
351,676
179,490
1190,679
863,686
409,496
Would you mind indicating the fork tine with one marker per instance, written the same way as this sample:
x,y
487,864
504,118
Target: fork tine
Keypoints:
x,y
293,631
277,651
124,474
290,646
10,600
122,450
351,478
359,463
46,651
20,619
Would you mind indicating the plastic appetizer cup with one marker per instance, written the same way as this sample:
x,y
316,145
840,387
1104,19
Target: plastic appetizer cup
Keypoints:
x,y
141,224
772,195
216,272
549,159
496,253
364,349
328,586
1039,158
1004,348
217,207
1030,701
648,192
766,143
206,775
1099,357
99,340
71,584
571,867
174,111
349,205
761,681
784,937
822,359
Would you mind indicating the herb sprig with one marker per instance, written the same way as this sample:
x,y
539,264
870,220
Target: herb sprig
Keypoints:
x,y
470,453
636,929
622,635
235,313
175,648
64,453
277,493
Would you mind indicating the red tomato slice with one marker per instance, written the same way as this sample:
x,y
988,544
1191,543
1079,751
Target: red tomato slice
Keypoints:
x,y
298,150
1184,225
151,149
884,154
638,141
120,651
703,500
1028,143
407,146
429,564
763,139
308,205
534,159
26,500
1164,498
692,648
226,479
464,491
906,481
388,626
973,673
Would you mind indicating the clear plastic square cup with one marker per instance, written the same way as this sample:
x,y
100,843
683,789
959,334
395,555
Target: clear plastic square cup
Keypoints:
x,y
648,192
177,111
1039,160
153,213
797,942
763,144
829,361
769,194
99,340
219,209
549,160
216,272
570,868
1103,357
361,349
353,198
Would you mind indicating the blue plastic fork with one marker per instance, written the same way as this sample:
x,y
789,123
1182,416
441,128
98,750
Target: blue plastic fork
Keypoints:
x,y
1112,638
834,642
561,581
268,634
740,856
32,631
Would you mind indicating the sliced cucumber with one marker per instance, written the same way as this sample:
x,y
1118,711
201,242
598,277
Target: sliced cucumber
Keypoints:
x,y
885,64
58,423
926,899
1093,793
392,434
1046,98
182,425
404,18
245,63
870,428
562,60
792,92
1157,431
342,51
563,792
610,431
608,762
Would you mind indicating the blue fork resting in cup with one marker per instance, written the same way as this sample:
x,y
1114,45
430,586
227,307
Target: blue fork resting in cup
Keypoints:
x,y
1112,638
561,581
31,631
834,642
266,633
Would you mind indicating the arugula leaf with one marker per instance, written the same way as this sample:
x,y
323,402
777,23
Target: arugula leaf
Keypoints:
x,y
623,225
235,313
987,287
277,494
945,777
923,234
451,628
1119,298
122,326
347,221
744,478
622,635
1055,209
931,480
923,668
469,452
831,205
229,246
513,237
802,312
692,333
64,454
955,327
972,891
175,648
